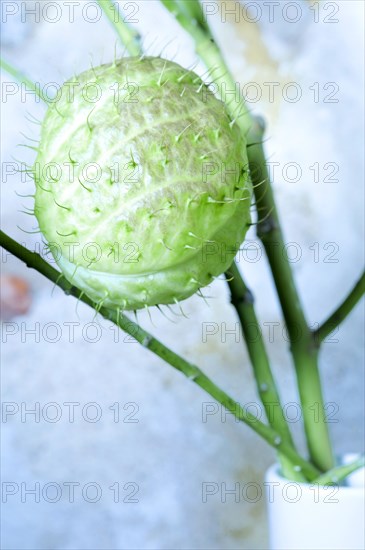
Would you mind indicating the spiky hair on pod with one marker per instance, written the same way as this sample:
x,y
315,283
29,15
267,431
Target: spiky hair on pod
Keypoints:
x,y
142,187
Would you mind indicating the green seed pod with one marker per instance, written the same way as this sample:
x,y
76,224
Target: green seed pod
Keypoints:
x,y
142,187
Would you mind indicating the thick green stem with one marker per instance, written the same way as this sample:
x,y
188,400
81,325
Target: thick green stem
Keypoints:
x,y
190,16
341,312
303,350
242,300
33,260
129,37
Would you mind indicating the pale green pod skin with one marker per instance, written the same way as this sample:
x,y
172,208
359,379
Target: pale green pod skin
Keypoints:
x,y
153,172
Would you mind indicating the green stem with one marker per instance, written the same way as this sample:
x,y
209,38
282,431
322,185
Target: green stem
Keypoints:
x,y
33,260
190,17
129,37
242,300
22,79
341,312
304,352
340,472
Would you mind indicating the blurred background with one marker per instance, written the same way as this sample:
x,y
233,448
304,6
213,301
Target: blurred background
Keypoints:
x,y
118,448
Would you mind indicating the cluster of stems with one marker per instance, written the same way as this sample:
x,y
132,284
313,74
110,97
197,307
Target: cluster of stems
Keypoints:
x,y
304,350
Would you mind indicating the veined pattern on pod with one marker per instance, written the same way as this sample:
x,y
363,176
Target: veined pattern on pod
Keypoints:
x,y
142,194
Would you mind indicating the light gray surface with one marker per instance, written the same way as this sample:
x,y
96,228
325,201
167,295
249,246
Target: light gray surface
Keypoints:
x,y
170,452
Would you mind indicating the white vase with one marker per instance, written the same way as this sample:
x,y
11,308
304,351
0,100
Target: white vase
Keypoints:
x,y
304,516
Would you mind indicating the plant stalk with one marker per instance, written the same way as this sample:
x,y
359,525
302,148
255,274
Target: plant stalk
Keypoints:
x,y
243,301
303,350
190,16
129,37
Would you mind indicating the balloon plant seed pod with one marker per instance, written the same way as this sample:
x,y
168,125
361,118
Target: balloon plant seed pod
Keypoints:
x,y
142,186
